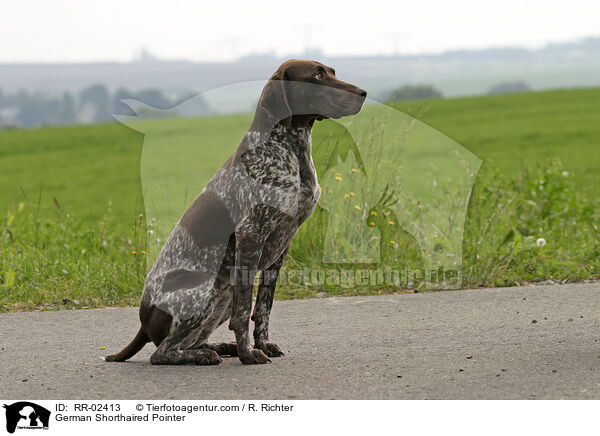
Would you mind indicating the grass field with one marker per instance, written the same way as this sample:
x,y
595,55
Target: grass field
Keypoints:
x,y
75,231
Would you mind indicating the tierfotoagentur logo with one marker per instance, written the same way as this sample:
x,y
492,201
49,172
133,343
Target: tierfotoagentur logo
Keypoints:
x,y
24,415
393,199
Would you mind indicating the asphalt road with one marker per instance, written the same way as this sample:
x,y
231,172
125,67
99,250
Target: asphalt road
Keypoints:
x,y
472,344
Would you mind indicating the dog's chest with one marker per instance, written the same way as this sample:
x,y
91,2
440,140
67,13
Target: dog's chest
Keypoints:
x,y
310,191
298,144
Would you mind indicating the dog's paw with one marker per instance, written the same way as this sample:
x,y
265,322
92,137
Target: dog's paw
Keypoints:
x,y
207,357
270,349
254,357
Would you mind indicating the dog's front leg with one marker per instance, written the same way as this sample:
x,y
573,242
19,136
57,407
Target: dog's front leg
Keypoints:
x,y
247,256
262,309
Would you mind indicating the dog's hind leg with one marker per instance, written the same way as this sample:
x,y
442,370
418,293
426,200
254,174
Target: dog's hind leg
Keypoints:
x,y
219,314
262,309
222,348
168,353
185,357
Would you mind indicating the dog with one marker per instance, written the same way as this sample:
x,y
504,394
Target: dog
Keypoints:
x,y
241,224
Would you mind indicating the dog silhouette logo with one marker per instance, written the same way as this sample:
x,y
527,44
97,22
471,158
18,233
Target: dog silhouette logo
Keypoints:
x,y
394,190
26,415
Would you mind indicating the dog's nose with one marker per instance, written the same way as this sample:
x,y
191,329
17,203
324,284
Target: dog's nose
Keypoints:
x,y
361,92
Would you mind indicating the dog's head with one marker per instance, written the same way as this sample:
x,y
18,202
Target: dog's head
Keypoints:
x,y
306,91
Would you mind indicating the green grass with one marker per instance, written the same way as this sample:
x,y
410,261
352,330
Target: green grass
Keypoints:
x,y
516,130
84,168
540,178
71,199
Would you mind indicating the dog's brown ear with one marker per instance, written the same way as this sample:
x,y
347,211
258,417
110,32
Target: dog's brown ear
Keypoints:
x,y
274,99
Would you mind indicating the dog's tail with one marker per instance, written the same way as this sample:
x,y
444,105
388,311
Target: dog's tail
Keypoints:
x,y
136,345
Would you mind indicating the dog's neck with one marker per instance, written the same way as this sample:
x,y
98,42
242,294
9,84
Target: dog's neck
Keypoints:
x,y
297,138
265,128
265,121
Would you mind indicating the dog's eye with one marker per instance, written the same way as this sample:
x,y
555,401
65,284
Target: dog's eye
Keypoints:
x,y
319,76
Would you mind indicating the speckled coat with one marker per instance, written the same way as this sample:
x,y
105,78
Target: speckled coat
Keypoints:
x,y
241,224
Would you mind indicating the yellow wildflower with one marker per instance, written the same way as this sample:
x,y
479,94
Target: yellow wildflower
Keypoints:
x,y
357,207
391,223
373,213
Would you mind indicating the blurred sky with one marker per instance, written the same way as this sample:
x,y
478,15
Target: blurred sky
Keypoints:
x,y
117,30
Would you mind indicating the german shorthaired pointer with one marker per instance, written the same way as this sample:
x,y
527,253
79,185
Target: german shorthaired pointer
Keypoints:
x,y
241,223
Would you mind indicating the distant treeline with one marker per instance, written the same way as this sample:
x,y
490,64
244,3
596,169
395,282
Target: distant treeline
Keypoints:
x,y
413,92
94,104
424,92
